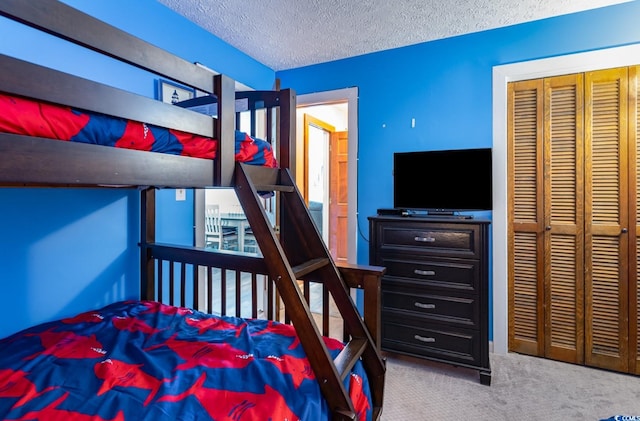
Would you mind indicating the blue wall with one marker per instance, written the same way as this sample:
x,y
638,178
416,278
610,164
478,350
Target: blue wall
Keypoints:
x,y
446,86
63,251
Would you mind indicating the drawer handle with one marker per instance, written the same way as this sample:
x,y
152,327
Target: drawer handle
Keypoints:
x,y
425,239
423,339
422,305
424,272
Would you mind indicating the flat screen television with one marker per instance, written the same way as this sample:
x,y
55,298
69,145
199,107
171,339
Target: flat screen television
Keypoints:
x,y
443,181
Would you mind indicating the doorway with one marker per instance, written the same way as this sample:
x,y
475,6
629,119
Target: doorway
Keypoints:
x,y
337,109
325,182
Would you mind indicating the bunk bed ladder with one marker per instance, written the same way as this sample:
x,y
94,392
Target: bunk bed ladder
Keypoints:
x,y
303,255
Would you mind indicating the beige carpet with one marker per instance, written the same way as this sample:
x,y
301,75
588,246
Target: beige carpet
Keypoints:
x,y
522,388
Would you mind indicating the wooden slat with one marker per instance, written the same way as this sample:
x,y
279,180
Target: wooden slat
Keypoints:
x,y
274,187
349,356
76,164
238,293
254,296
172,288
209,290
223,291
183,284
307,267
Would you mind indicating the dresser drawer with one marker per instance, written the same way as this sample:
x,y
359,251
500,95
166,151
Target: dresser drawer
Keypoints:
x,y
433,341
460,275
462,311
452,240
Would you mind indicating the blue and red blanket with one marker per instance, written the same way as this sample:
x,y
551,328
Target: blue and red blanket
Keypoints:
x,y
142,360
29,117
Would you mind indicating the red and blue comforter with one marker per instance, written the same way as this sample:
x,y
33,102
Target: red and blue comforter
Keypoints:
x,y
29,117
142,360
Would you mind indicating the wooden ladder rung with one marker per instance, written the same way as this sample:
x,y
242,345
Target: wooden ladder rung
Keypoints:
x,y
275,187
266,179
309,266
341,414
349,356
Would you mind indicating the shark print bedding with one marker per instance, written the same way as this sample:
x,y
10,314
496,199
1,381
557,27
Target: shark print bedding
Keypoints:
x,y
33,118
143,360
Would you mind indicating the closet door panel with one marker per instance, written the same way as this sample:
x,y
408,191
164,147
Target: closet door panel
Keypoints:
x,y
606,219
564,220
526,223
634,217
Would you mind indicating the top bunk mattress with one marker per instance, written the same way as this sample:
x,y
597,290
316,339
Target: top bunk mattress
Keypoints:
x,y
24,116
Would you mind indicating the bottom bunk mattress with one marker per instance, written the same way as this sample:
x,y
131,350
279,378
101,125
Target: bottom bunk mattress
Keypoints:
x,y
142,360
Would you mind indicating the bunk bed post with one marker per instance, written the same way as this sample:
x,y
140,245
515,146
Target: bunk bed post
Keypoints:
x,y
224,89
287,130
369,279
147,237
286,147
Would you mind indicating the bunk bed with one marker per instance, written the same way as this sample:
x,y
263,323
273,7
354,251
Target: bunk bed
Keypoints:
x,y
162,355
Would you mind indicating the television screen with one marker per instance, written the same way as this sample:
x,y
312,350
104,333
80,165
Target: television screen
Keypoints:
x,y
450,180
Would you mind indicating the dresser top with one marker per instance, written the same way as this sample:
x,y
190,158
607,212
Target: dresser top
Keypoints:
x,y
456,219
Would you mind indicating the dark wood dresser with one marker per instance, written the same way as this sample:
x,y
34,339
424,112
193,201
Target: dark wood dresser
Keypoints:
x,y
435,290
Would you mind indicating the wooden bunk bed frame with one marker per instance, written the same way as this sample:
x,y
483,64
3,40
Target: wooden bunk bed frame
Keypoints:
x,y
293,260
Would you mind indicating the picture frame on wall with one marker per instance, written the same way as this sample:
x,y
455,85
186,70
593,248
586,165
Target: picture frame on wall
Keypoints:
x,y
171,92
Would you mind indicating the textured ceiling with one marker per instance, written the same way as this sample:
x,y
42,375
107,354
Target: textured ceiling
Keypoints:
x,y
285,34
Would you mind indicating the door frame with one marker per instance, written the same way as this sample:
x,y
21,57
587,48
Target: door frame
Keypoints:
x,y
350,96
502,75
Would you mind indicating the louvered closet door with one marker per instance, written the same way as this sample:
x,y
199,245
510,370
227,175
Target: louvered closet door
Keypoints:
x,y
526,221
545,207
574,189
564,218
634,216
606,219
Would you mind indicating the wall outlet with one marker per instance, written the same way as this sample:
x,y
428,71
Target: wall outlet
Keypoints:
x,y
181,194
